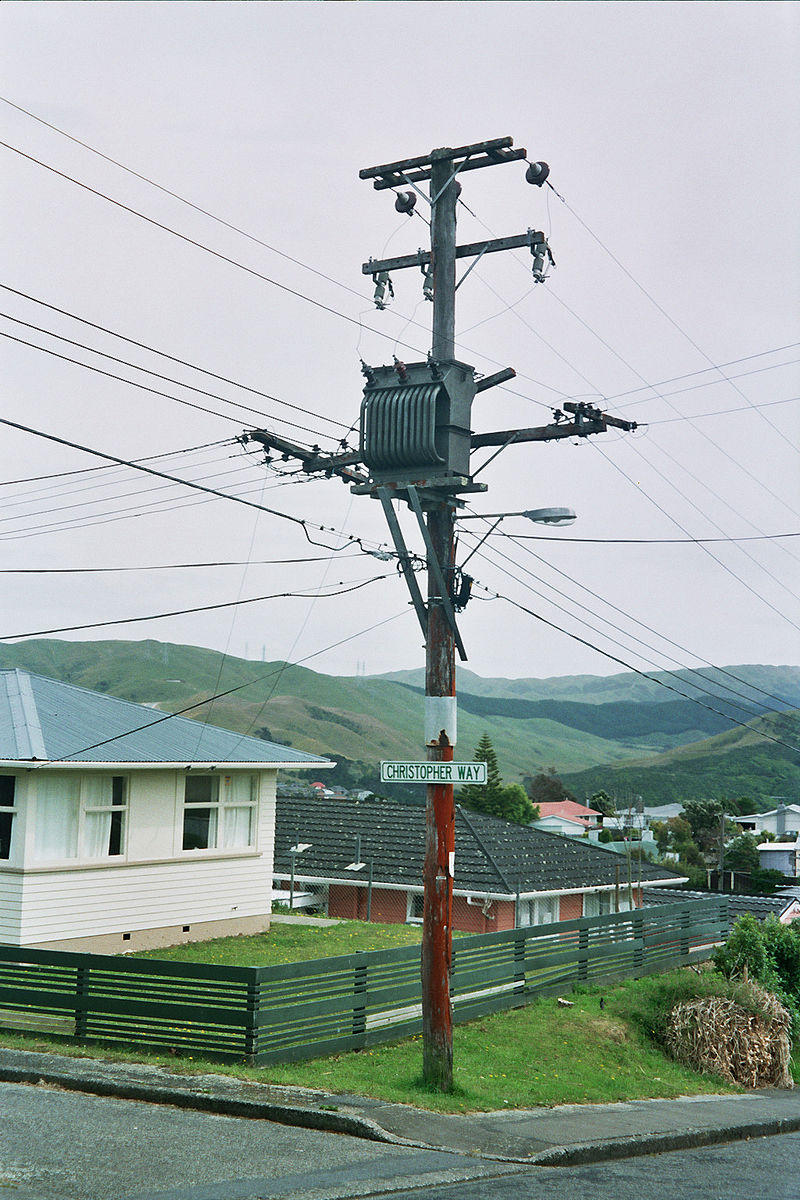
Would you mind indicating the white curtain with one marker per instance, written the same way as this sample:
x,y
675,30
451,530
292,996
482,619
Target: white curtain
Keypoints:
x,y
57,801
237,827
96,834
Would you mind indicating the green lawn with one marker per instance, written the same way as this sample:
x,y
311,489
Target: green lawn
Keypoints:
x,y
292,943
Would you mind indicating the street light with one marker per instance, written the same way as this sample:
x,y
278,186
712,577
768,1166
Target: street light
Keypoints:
x,y
542,516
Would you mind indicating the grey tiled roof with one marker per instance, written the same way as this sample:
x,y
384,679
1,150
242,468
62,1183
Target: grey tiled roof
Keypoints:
x,y
47,720
491,855
759,906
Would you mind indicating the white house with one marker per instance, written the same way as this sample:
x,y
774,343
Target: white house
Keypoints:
x,y
123,828
781,820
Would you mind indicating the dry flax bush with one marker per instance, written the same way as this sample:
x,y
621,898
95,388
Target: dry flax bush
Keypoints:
x,y
717,1035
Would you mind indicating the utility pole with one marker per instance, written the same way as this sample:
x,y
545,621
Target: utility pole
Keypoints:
x,y
415,444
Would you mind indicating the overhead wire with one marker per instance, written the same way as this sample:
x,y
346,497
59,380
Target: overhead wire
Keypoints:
x,y
200,608
238,688
145,370
301,521
643,674
174,358
667,316
185,566
517,540
625,632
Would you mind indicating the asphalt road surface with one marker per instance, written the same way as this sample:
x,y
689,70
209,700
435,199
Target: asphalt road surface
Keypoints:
x,y
58,1145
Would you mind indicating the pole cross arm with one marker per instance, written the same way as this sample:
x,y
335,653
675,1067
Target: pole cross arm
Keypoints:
x,y
423,257
582,409
310,457
415,170
588,420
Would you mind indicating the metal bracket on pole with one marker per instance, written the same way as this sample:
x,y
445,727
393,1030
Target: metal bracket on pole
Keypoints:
x,y
434,566
405,559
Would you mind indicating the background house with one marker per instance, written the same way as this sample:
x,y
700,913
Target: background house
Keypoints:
x,y
364,860
121,828
785,819
780,856
567,816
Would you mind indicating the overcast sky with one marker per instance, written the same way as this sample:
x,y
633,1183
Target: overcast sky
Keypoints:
x,y
671,131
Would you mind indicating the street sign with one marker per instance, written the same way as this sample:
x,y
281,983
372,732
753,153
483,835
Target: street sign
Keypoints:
x,y
433,772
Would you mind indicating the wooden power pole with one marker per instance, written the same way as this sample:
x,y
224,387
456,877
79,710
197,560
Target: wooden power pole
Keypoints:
x,y
416,441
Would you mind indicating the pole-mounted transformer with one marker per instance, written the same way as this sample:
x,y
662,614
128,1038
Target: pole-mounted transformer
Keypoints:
x,y
415,423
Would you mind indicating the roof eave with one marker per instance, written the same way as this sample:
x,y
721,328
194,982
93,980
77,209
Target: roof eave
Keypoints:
x,y
179,765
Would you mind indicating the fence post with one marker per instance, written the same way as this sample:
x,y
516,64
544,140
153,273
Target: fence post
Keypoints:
x,y
519,962
686,924
583,953
638,934
252,1019
81,1001
359,994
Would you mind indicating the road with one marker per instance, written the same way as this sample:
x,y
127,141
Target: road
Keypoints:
x,y
58,1145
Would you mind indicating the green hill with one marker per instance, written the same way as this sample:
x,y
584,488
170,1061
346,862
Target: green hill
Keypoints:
x,y
741,762
589,727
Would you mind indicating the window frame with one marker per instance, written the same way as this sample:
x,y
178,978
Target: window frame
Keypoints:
x,y
119,785
221,807
9,810
414,899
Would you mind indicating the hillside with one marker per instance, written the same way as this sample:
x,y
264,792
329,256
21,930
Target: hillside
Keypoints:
x,y
740,762
590,727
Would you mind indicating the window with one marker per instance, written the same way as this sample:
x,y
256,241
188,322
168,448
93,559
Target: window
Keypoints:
x,y
7,811
219,811
104,808
597,904
414,905
80,815
543,911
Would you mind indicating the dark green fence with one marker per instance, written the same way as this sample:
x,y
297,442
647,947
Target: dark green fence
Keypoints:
x,y
302,1010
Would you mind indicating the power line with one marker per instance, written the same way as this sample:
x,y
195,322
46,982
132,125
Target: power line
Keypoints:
x,y
642,674
687,541
301,521
146,370
182,612
172,358
642,625
91,470
663,311
258,562
618,628
239,687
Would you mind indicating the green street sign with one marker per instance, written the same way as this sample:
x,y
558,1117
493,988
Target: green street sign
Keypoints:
x,y
433,772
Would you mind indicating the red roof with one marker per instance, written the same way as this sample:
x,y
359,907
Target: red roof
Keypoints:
x,y
569,808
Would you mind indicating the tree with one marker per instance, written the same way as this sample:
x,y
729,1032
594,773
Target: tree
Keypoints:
x,y
741,854
547,788
494,797
708,822
601,802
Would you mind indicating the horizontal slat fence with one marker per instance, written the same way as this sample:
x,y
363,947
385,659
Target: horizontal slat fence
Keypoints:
x,y
305,1009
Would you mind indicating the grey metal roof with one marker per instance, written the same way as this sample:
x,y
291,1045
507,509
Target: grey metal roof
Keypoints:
x,y
45,720
758,906
492,856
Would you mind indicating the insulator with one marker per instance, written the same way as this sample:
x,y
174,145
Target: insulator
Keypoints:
x,y
537,173
405,202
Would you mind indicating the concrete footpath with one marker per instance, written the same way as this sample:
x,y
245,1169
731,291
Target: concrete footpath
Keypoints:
x,y
561,1136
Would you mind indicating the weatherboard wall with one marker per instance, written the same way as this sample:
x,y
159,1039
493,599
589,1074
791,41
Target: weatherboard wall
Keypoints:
x,y
155,893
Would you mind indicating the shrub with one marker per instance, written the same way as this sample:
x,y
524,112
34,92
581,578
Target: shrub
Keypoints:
x,y
769,953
